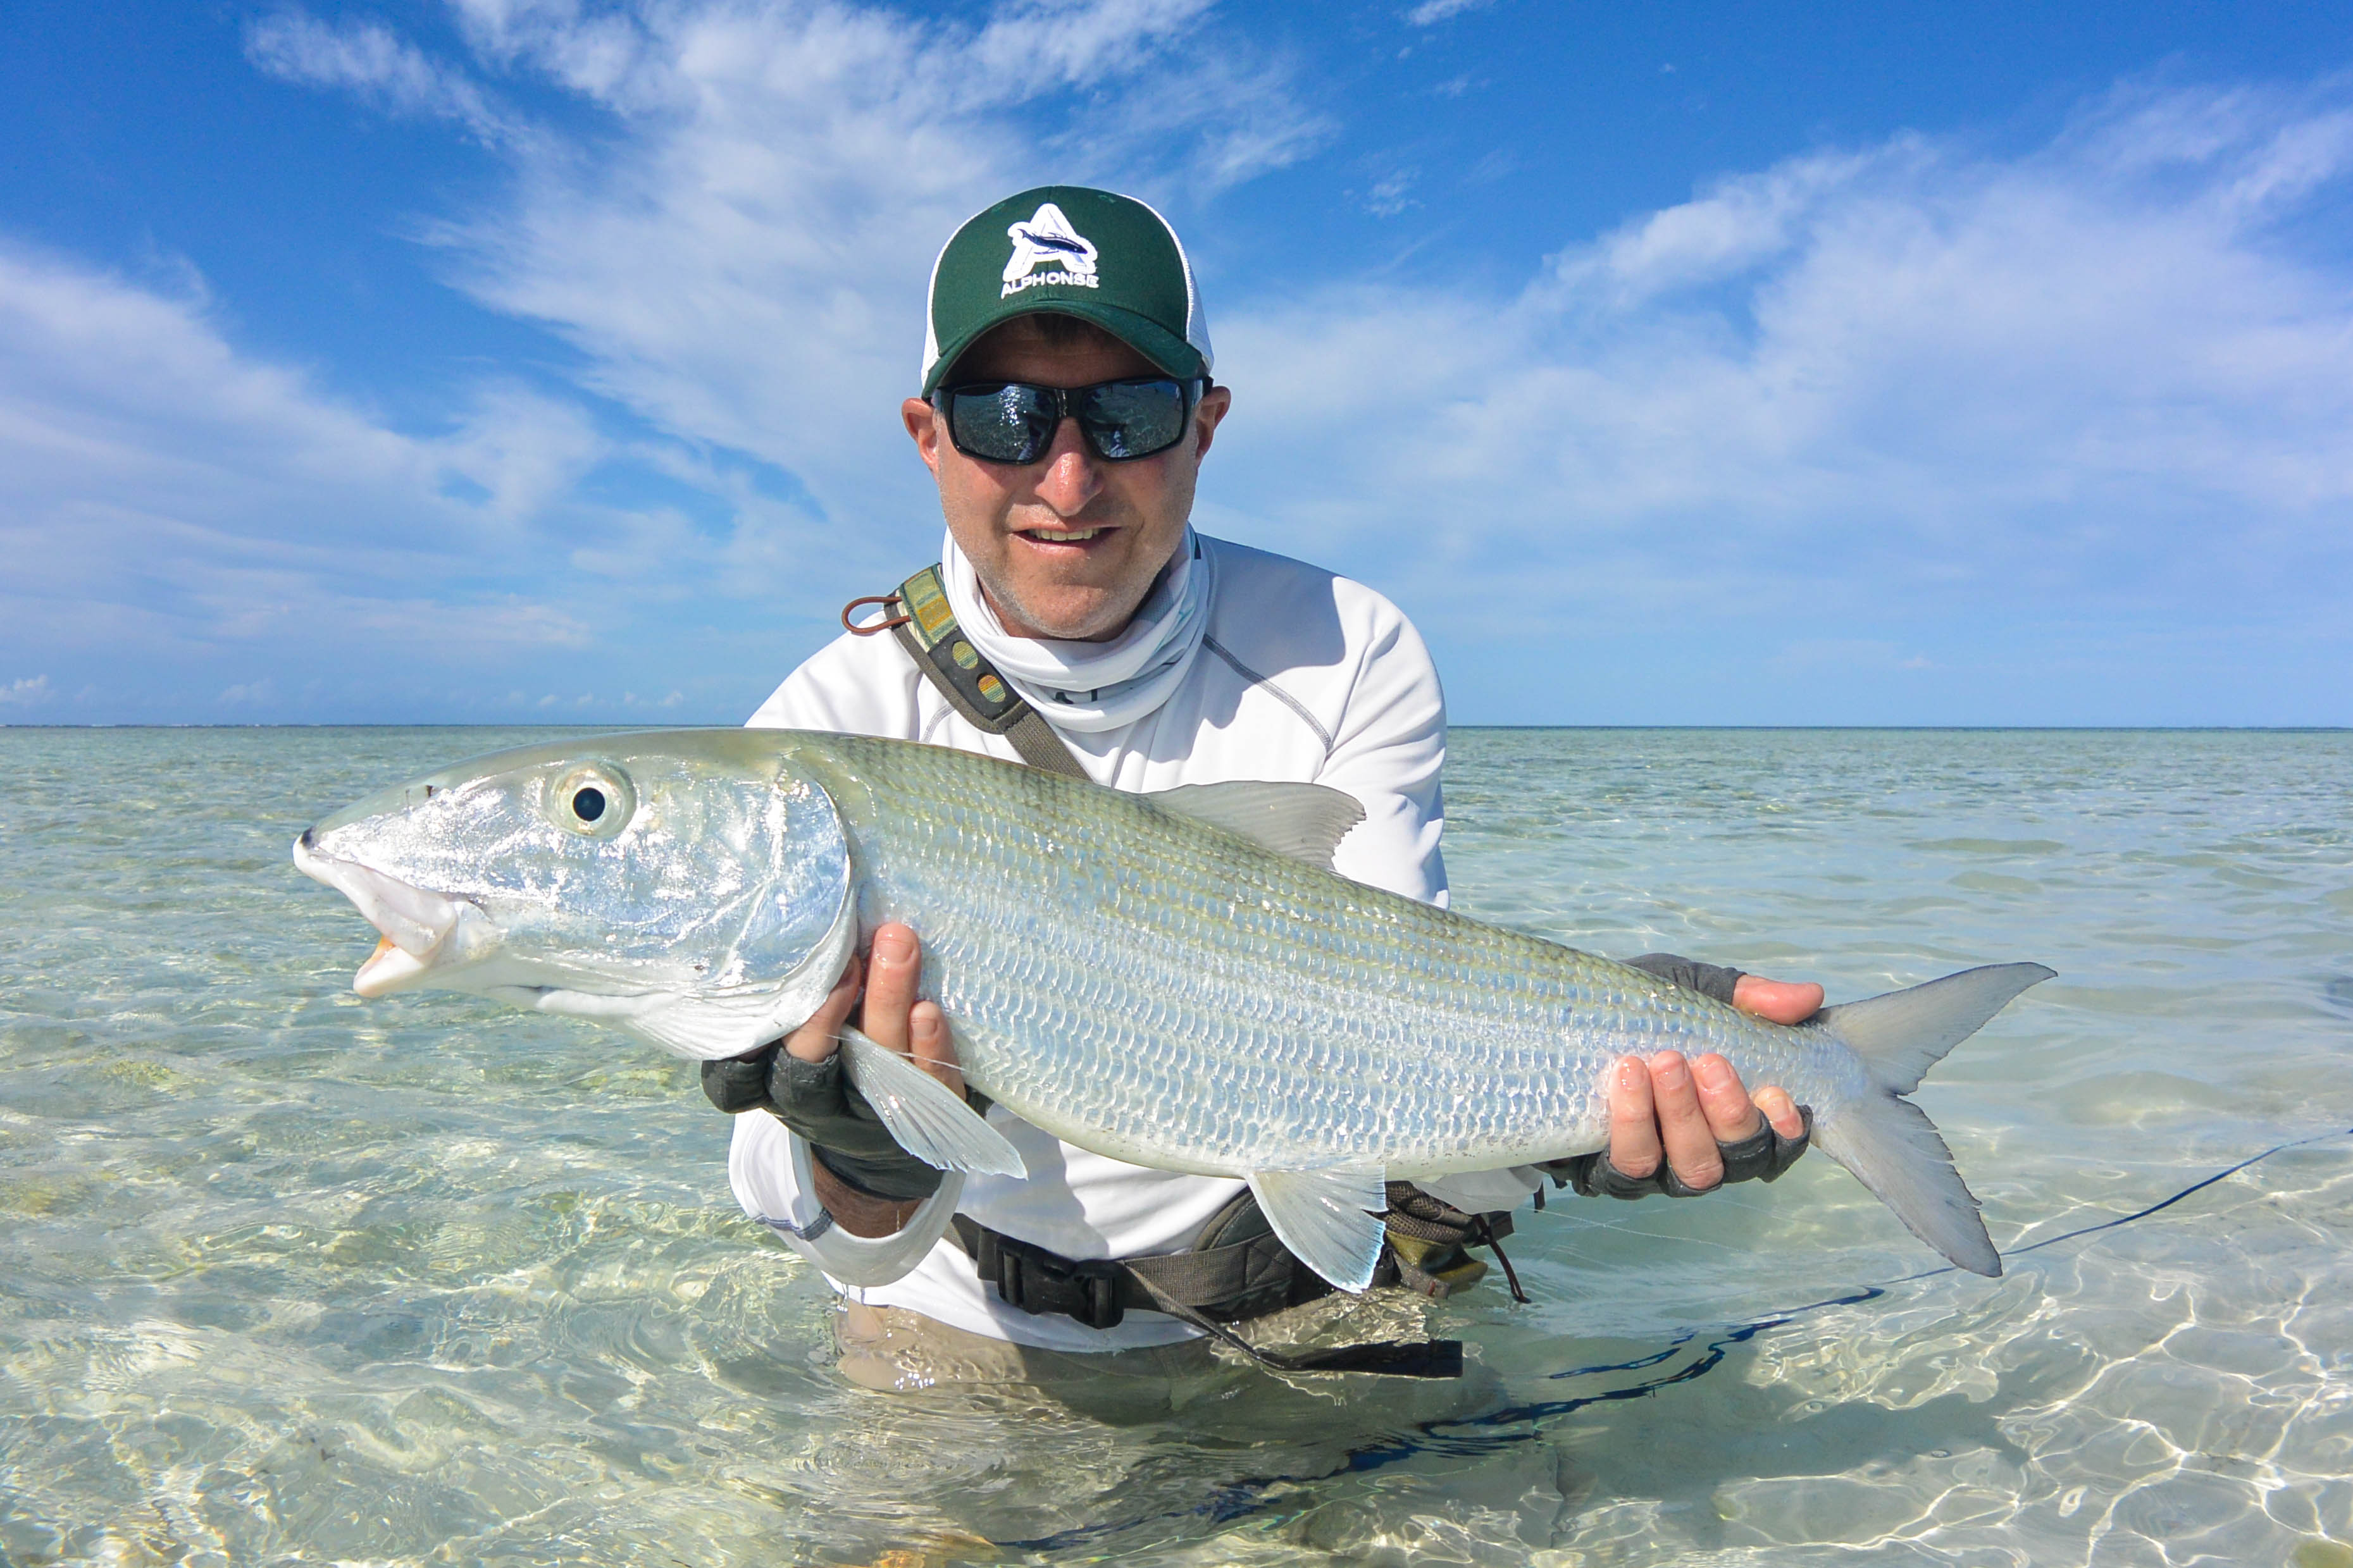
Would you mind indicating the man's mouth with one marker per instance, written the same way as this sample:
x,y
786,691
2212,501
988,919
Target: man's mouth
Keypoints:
x,y
1063,535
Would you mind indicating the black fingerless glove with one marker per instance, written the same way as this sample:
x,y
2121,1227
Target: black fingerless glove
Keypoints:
x,y
818,1101
1713,980
1761,1157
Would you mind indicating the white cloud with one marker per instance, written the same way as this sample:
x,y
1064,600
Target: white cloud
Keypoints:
x,y
1389,196
169,504
1866,401
365,58
744,265
2103,378
1431,12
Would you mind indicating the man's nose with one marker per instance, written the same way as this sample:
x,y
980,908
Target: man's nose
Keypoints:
x,y
1074,474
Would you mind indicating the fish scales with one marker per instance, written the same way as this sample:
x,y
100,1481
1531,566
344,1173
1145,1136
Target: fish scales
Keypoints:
x,y
1345,1018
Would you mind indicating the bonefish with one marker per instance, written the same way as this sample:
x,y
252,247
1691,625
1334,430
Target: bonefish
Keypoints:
x,y
1176,980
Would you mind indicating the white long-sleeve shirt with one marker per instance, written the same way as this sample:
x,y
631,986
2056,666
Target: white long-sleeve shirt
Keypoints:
x,y
1303,677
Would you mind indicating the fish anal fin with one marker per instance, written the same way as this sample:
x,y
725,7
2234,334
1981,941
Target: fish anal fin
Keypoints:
x,y
1330,1219
1895,1151
1299,821
930,1120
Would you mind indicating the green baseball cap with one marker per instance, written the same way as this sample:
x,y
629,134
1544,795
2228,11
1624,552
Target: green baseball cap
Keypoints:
x,y
1101,257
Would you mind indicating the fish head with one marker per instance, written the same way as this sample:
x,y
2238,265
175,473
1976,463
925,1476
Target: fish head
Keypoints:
x,y
684,886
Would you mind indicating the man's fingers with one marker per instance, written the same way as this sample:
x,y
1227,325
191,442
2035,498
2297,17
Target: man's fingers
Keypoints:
x,y
894,969
817,1039
1776,1001
1781,1111
1682,1125
927,1027
1634,1124
1731,1115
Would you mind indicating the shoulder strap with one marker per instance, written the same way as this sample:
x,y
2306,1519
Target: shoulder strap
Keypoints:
x,y
927,629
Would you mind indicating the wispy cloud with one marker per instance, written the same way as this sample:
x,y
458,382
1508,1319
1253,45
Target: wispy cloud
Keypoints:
x,y
745,264
169,504
1429,13
1897,411
367,59
1906,380
1390,194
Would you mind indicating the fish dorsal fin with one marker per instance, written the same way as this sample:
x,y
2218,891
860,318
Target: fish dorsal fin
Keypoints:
x,y
931,1120
1301,821
1329,1220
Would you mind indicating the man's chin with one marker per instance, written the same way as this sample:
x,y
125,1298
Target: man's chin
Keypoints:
x,y
1067,596
1067,615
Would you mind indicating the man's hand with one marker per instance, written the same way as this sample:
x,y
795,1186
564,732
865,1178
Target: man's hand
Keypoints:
x,y
1683,1110
892,1017
801,1085
1776,1001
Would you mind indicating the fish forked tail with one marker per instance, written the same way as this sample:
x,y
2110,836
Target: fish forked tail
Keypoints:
x,y
1889,1143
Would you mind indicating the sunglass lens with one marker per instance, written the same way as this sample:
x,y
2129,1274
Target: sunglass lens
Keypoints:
x,y
1005,425
1133,418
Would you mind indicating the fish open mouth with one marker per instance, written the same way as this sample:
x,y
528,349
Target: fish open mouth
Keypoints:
x,y
413,922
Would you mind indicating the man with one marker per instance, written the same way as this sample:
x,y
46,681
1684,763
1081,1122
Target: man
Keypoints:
x,y
1065,407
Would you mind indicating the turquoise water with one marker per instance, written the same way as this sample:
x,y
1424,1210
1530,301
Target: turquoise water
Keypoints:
x,y
287,1275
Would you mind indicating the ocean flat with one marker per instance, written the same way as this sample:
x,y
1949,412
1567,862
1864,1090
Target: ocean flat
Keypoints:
x,y
288,1276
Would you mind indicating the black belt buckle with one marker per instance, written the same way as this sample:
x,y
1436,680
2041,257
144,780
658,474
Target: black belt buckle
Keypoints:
x,y
1037,1282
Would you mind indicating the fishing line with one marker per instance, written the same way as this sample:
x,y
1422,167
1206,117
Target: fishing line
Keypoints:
x,y
1238,1500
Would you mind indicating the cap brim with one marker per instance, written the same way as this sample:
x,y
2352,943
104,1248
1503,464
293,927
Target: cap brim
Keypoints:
x,y
1165,349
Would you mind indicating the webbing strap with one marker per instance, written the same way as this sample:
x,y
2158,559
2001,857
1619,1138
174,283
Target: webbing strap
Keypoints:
x,y
971,684
1216,1279
1099,1291
1387,1358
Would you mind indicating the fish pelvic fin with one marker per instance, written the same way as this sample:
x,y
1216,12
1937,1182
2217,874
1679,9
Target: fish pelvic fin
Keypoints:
x,y
1330,1219
930,1120
1901,1035
1888,1142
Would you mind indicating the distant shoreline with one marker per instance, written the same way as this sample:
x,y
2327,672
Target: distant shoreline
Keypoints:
x,y
588,728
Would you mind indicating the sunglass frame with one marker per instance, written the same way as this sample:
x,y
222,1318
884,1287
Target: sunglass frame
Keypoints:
x,y
1064,400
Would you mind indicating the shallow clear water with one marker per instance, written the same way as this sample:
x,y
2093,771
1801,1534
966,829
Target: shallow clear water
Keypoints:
x,y
287,1276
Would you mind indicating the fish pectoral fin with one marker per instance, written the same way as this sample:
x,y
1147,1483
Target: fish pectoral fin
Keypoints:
x,y
1301,821
931,1120
1330,1219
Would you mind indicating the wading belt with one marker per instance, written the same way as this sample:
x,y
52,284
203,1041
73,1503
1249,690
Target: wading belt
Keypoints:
x,y
918,617
1240,1271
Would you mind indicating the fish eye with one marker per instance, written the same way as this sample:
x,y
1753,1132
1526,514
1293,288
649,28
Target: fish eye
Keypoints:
x,y
596,801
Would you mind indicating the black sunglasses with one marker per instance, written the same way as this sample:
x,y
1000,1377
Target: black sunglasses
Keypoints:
x,y
1013,422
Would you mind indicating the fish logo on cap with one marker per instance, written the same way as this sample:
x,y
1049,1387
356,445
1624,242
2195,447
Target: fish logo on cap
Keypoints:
x,y
1047,239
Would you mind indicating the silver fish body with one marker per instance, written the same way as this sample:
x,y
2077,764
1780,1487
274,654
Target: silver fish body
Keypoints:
x,y
1137,981
1160,990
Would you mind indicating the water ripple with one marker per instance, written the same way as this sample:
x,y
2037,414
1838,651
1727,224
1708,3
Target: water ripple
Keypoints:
x,y
285,1275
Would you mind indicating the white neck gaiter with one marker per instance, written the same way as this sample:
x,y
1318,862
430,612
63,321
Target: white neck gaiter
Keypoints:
x,y
1090,687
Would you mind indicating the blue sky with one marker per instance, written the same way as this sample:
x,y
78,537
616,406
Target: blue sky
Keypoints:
x,y
531,359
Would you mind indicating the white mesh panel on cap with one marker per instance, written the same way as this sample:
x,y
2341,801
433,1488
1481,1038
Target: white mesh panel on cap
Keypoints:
x,y
1197,321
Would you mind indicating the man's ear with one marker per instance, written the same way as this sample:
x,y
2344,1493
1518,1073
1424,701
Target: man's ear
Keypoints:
x,y
1216,403
922,425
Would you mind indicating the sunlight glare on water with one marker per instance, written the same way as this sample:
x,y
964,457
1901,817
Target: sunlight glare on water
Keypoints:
x,y
291,1276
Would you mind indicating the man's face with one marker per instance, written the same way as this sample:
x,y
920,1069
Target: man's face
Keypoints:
x,y
1067,546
